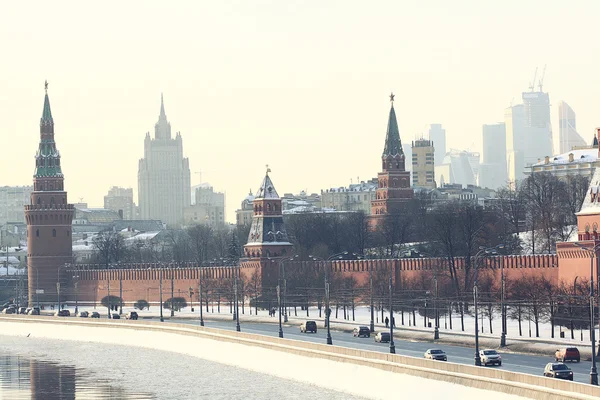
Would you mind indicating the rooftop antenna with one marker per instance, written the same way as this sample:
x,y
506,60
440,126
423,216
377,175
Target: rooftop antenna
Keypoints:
x,y
541,84
532,83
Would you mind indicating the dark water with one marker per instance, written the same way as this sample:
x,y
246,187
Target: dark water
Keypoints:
x,y
27,378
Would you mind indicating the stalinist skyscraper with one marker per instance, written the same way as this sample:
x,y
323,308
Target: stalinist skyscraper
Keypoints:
x,y
164,175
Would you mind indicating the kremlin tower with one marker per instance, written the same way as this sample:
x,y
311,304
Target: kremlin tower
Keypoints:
x,y
48,217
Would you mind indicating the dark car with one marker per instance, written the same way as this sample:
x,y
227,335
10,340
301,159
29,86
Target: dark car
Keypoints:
x,y
95,314
361,331
567,354
8,310
436,354
83,314
116,316
382,337
558,370
62,313
131,315
308,326
22,310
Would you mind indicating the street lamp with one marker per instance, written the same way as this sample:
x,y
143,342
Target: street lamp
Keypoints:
x,y
327,310
372,322
200,298
482,251
160,276
236,307
593,254
279,306
392,346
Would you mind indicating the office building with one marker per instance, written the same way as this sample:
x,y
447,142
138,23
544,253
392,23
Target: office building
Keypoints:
x,y
493,170
438,136
121,200
568,137
12,200
423,168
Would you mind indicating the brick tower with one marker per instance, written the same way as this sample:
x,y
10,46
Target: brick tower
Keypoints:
x,y
267,237
393,190
48,217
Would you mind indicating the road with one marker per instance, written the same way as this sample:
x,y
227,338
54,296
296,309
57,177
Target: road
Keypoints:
x,y
523,363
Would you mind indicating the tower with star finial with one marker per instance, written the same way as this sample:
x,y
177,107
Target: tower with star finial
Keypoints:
x,y
49,217
393,188
268,237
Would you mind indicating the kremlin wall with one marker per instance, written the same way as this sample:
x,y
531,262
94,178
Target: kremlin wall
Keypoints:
x,y
268,250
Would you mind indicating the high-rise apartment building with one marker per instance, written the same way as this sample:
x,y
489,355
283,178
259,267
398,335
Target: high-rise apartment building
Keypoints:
x,y
12,200
423,168
121,200
438,136
459,167
164,188
514,120
493,172
568,138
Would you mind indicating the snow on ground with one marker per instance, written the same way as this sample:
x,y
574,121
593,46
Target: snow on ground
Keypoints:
x,y
363,317
343,377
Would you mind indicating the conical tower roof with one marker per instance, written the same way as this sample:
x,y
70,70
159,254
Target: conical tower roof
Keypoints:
x,y
267,189
393,145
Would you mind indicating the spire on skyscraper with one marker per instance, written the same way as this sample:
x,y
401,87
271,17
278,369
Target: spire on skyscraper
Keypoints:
x,y
162,107
393,145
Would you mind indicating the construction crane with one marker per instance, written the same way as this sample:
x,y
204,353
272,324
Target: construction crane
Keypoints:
x,y
541,84
532,84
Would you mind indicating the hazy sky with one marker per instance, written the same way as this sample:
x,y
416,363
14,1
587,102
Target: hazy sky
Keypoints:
x,y
300,85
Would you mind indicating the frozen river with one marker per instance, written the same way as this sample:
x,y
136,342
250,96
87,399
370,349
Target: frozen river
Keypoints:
x,y
39,368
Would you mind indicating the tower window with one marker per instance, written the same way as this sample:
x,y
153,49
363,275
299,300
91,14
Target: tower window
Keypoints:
x,y
37,233
53,232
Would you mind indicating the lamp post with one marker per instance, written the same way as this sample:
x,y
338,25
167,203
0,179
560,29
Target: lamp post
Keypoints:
x,y
392,346
477,257
436,332
200,296
172,292
372,323
327,311
593,254
108,304
279,307
236,307
120,291
160,276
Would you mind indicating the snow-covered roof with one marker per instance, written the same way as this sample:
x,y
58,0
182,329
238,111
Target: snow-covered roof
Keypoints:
x,y
143,236
579,156
591,203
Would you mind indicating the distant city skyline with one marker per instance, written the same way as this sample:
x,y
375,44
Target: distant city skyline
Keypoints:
x,y
297,87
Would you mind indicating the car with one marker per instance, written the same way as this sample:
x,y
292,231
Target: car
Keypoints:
x,y
131,315
95,314
22,310
83,314
34,311
62,313
436,354
308,326
382,337
567,354
490,357
361,331
558,370
116,316
8,310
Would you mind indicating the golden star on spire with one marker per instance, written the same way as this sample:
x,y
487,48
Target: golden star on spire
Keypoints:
x,y
46,86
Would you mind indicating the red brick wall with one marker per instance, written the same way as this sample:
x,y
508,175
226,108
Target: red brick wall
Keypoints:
x,y
141,281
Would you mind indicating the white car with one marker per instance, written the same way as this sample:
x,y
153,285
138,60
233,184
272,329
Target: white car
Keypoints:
x,y
490,357
436,354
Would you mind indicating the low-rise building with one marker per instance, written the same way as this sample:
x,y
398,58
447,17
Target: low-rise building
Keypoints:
x,y
208,207
355,197
121,200
12,202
